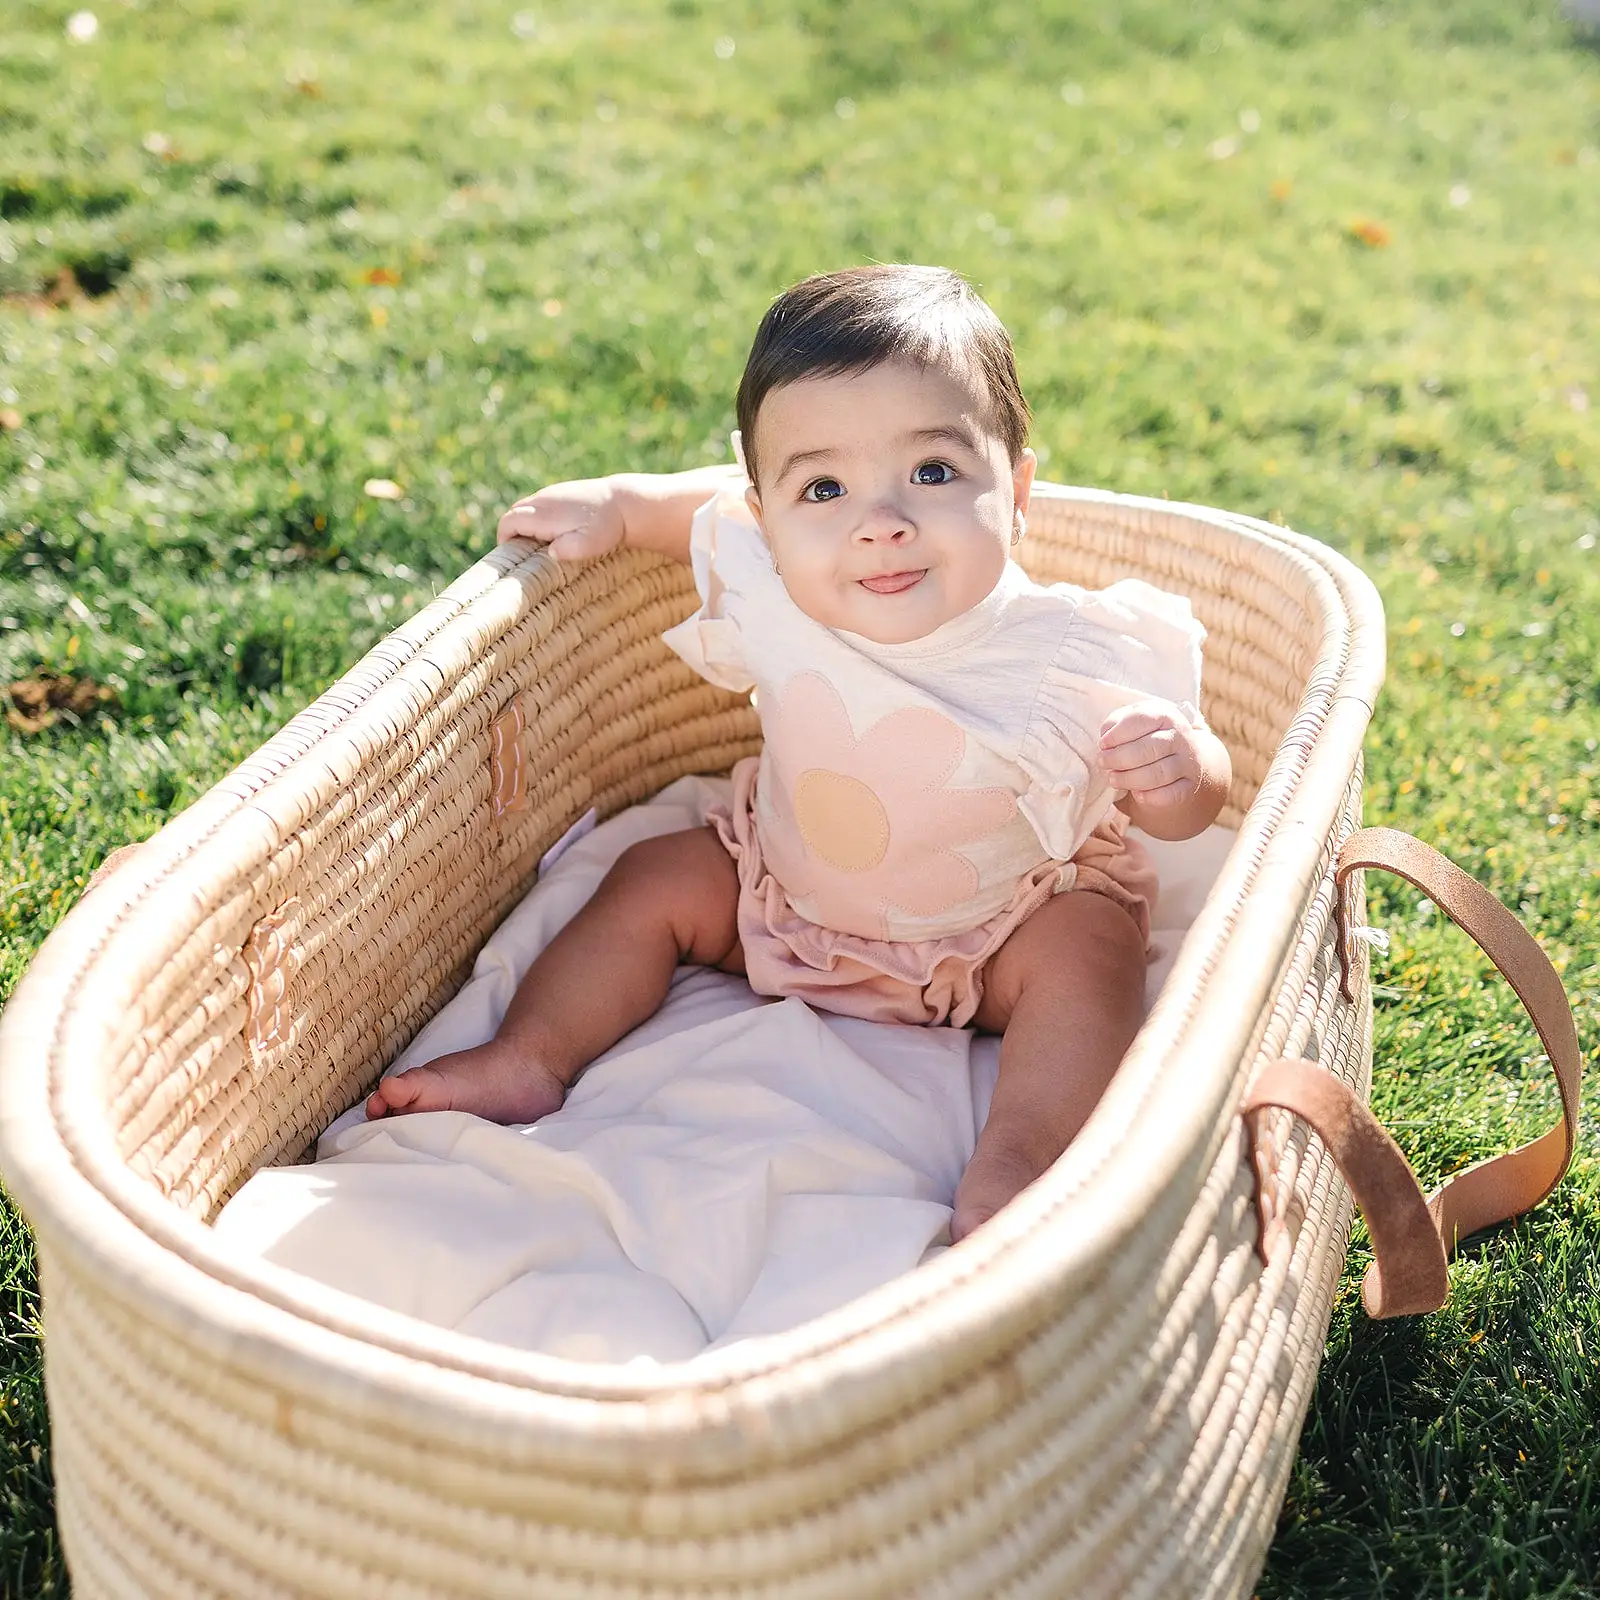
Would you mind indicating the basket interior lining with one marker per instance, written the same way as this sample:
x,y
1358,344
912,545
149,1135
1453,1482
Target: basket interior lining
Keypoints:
x,y
388,837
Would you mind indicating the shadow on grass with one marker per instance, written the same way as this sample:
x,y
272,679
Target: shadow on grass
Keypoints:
x,y
30,1561
1459,1445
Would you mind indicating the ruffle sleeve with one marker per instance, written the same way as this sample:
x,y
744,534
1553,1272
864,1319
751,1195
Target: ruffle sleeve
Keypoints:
x,y
1129,642
726,555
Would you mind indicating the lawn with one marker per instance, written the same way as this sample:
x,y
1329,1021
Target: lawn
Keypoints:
x,y
296,298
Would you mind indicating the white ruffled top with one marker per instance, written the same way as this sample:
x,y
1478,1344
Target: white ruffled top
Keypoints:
x,y
906,789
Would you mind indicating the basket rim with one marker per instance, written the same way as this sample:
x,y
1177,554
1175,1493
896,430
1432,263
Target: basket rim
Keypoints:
x,y
966,1307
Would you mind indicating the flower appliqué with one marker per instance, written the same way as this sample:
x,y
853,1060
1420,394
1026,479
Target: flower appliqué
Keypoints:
x,y
866,826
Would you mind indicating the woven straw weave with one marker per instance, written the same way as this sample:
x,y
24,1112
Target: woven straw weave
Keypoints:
x,y
1098,1394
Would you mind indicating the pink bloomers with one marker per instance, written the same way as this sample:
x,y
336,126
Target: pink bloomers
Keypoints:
x,y
923,981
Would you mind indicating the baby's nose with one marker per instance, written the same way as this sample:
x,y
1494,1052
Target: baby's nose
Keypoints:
x,y
886,520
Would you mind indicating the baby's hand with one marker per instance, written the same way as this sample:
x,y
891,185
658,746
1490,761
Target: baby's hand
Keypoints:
x,y
575,521
1150,750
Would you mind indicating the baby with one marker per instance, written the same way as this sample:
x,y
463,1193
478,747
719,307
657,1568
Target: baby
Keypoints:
x,y
936,828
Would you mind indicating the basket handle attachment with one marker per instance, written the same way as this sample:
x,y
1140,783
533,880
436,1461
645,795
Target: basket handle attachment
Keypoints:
x,y
1413,1237
508,761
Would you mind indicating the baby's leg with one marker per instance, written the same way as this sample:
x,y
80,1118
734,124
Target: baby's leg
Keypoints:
x,y
1067,991
666,900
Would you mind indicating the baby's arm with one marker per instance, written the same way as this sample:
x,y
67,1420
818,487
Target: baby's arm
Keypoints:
x,y
639,510
1176,776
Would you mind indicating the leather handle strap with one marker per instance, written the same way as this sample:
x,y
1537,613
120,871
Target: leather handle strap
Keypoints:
x,y
1507,1185
1413,1238
1407,1274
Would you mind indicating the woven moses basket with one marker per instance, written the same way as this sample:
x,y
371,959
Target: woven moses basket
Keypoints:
x,y
1098,1394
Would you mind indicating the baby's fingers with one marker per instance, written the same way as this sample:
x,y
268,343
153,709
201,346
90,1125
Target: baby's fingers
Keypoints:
x,y
1145,750
1136,721
1167,794
517,523
528,520
574,527
579,545
1150,776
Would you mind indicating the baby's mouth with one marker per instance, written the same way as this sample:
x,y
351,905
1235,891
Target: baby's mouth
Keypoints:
x,y
894,582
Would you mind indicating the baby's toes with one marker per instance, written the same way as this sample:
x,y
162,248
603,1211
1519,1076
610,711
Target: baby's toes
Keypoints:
x,y
417,1090
994,1178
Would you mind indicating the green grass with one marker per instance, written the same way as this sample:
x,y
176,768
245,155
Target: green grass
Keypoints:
x,y
469,248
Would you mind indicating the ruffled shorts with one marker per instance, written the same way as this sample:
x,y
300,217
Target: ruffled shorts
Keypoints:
x,y
926,981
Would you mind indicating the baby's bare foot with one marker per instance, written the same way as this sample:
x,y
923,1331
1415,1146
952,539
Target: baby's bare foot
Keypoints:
x,y
998,1172
497,1080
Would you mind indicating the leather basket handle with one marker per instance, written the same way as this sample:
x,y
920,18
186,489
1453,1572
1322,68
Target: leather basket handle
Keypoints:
x,y
1413,1237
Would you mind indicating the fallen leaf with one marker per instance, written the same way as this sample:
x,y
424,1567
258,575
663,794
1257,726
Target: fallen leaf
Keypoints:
x,y
36,701
1281,190
62,290
1372,234
379,315
11,420
382,489
66,290
380,275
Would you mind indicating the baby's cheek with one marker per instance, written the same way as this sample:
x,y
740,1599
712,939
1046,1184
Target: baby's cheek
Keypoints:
x,y
812,593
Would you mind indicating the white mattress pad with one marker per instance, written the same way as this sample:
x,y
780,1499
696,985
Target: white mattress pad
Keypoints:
x,y
732,1168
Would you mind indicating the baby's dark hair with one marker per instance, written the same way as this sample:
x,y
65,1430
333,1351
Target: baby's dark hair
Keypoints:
x,y
845,322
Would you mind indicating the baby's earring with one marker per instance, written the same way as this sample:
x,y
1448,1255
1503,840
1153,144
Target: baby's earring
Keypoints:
x,y
1019,528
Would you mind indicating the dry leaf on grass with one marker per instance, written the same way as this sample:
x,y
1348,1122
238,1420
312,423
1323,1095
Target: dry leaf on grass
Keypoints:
x,y
1372,234
36,702
62,290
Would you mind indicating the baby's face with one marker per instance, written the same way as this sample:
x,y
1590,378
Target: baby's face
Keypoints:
x,y
887,502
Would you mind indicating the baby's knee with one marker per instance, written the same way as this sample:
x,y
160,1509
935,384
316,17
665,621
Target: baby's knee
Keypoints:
x,y
1086,933
686,880
1112,928
675,863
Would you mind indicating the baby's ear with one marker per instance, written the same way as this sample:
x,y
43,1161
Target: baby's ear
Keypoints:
x,y
1022,479
752,498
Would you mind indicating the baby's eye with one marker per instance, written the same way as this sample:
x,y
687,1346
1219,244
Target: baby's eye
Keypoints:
x,y
933,472
820,489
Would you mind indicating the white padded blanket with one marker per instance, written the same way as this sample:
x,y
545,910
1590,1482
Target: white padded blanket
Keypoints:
x,y
732,1168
